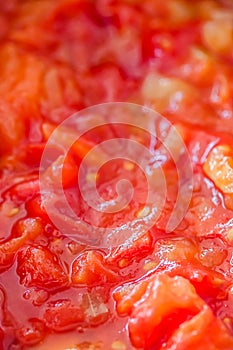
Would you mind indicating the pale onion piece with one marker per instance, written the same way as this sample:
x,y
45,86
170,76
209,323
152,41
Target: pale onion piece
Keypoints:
x,y
118,345
13,212
166,92
217,35
229,235
219,167
94,307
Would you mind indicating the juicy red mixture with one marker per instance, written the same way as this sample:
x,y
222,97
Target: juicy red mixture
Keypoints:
x,y
162,290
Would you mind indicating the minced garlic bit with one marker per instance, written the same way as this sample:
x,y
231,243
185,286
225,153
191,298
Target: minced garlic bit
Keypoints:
x,y
230,235
118,345
150,265
13,212
218,281
227,322
123,263
143,212
91,177
129,165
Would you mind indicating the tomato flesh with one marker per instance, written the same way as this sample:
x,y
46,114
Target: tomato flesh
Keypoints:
x,y
149,288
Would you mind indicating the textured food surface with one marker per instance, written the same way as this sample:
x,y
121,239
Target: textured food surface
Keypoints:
x,y
162,290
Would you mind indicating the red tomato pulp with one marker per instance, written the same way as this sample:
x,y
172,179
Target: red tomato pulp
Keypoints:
x,y
163,290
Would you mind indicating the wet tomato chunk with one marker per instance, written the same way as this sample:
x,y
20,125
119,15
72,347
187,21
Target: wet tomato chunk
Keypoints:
x,y
162,311
90,268
37,266
62,315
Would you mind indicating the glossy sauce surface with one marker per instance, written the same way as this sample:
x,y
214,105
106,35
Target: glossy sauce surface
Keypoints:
x,y
162,290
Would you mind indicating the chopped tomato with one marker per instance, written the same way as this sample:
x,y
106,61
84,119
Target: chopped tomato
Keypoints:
x,y
37,266
131,250
24,231
88,258
163,309
62,315
89,268
32,333
201,330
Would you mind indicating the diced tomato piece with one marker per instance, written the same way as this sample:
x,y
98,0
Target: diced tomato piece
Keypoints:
x,y
31,333
207,283
219,167
182,257
38,267
25,190
69,172
78,149
128,295
156,44
62,315
131,250
35,208
63,170
176,249
25,230
203,331
33,153
47,130
81,147
11,139
103,84
165,304
28,228
90,269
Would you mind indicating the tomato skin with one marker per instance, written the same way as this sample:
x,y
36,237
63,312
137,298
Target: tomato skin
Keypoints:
x,y
38,267
62,315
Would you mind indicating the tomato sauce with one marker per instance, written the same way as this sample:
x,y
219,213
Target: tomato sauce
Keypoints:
x,y
157,290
